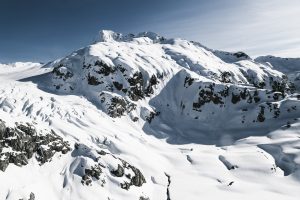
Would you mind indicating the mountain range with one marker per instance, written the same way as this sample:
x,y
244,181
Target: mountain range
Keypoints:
x,y
145,117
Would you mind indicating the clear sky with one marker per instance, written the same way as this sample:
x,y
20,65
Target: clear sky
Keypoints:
x,y
43,30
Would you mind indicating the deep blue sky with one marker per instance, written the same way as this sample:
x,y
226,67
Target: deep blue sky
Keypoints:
x,y
42,30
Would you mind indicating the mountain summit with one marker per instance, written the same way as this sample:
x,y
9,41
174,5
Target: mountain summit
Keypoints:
x,y
109,36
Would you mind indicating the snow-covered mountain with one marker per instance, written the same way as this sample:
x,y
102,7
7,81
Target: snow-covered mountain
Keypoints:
x,y
147,117
289,66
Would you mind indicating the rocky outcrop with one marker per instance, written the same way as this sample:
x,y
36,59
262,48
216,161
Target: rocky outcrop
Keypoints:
x,y
62,72
207,95
93,172
116,106
97,168
22,142
119,172
137,179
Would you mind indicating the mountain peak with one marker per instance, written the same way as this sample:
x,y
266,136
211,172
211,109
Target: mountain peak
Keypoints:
x,y
110,36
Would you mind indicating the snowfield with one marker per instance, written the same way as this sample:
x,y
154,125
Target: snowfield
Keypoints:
x,y
143,117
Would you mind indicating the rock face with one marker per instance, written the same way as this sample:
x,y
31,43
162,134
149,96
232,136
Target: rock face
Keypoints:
x,y
137,179
119,172
98,167
19,144
116,106
118,88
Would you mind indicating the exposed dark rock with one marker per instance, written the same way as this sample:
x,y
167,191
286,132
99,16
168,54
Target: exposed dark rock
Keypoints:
x,y
259,85
137,180
256,97
188,81
144,198
125,185
241,54
261,116
230,184
104,68
151,116
207,95
119,172
24,142
94,172
225,77
152,82
279,86
101,152
235,98
92,80
244,94
61,73
135,119
86,180
275,108
136,79
118,85
118,106
136,93
225,92
136,86
4,162
277,95
121,69
288,125
31,196
168,187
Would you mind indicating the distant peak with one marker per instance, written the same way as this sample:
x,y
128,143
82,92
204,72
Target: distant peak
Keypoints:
x,y
109,36
151,35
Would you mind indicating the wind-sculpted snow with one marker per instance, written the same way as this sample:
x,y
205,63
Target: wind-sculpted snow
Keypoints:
x,y
144,117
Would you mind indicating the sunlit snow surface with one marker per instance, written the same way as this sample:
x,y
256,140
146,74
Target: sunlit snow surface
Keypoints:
x,y
205,155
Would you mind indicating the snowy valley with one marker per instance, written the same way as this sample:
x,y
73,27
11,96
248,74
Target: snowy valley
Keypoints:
x,y
144,117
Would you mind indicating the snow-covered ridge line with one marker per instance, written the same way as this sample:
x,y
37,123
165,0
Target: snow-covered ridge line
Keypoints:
x,y
289,66
19,64
285,65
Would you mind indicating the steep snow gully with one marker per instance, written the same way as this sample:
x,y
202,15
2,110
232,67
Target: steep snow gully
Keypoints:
x,y
144,117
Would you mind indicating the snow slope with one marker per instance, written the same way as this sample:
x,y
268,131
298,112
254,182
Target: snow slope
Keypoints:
x,y
146,117
289,66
